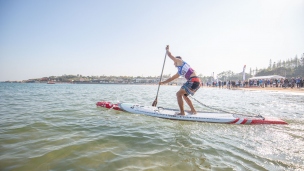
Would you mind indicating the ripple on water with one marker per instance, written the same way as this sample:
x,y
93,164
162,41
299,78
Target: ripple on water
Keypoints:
x,y
58,127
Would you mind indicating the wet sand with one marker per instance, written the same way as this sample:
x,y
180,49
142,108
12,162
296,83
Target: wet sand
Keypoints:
x,y
294,90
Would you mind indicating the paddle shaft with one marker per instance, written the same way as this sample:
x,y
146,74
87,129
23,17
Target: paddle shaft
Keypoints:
x,y
161,75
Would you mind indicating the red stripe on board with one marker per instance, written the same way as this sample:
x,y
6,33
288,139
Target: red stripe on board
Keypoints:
x,y
233,122
244,121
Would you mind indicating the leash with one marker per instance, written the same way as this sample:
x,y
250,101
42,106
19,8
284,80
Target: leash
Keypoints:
x,y
260,116
209,106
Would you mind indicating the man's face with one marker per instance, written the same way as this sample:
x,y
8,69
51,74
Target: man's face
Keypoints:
x,y
175,64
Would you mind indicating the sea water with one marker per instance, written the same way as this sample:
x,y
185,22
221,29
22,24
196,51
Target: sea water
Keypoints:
x,y
59,127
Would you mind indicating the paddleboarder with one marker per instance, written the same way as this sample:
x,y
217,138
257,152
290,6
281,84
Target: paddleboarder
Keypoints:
x,y
189,88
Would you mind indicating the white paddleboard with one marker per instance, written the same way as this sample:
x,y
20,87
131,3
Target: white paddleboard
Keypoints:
x,y
200,116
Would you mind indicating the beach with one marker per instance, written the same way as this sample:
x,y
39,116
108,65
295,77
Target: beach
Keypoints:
x,y
275,89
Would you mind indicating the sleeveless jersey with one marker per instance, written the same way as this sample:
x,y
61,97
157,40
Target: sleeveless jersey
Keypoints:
x,y
185,70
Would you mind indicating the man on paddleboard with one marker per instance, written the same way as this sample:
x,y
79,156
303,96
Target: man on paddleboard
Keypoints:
x,y
189,88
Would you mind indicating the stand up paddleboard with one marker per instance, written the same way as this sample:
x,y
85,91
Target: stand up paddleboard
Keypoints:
x,y
211,117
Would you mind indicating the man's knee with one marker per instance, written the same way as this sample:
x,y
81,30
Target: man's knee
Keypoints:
x,y
180,93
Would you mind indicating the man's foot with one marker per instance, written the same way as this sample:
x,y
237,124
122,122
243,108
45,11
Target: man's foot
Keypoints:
x,y
179,114
193,112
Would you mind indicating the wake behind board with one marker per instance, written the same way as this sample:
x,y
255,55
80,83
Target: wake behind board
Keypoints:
x,y
210,117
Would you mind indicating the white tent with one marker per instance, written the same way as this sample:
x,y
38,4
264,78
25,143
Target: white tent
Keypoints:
x,y
267,77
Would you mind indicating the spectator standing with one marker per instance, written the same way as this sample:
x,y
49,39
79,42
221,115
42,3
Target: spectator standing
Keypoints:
x,y
298,82
286,83
293,82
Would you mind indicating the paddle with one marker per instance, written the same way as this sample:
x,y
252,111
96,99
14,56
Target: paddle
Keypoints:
x,y
161,75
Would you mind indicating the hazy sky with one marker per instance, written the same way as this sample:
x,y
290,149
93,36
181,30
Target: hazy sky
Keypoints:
x,y
128,37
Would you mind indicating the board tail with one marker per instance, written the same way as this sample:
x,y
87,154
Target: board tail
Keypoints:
x,y
108,105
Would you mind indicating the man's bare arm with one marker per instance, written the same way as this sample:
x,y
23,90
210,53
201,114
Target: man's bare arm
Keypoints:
x,y
169,54
170,79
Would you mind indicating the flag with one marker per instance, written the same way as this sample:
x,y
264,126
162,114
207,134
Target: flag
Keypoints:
x,y
244,72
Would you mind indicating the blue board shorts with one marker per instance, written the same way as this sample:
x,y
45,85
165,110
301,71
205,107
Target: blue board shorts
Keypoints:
x,y
192,85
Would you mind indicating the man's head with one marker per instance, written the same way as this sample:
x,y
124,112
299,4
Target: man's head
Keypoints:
x,y
175,63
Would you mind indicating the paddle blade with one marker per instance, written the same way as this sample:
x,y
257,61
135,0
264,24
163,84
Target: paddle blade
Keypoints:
x,y
154,103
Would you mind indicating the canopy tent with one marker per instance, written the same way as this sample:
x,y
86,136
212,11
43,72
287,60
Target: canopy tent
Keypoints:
x,y
267,77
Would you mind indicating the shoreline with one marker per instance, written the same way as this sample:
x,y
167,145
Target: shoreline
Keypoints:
x,y
290,90
273,89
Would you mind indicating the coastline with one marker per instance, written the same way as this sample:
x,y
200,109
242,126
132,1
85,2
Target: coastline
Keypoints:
x,y
273,89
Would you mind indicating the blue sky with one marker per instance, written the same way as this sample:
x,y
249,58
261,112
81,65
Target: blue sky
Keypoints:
x,y
128,37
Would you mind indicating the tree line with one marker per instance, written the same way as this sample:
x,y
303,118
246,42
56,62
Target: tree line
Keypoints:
x,y
290,68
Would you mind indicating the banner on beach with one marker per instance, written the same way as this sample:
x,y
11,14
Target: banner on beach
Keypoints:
x,y
244,73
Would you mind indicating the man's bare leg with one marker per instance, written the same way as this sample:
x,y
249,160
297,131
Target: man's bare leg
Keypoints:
x,y
180,101
189,102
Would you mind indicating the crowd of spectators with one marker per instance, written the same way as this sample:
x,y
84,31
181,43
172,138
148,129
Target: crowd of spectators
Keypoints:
x,y
283,83
280,83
